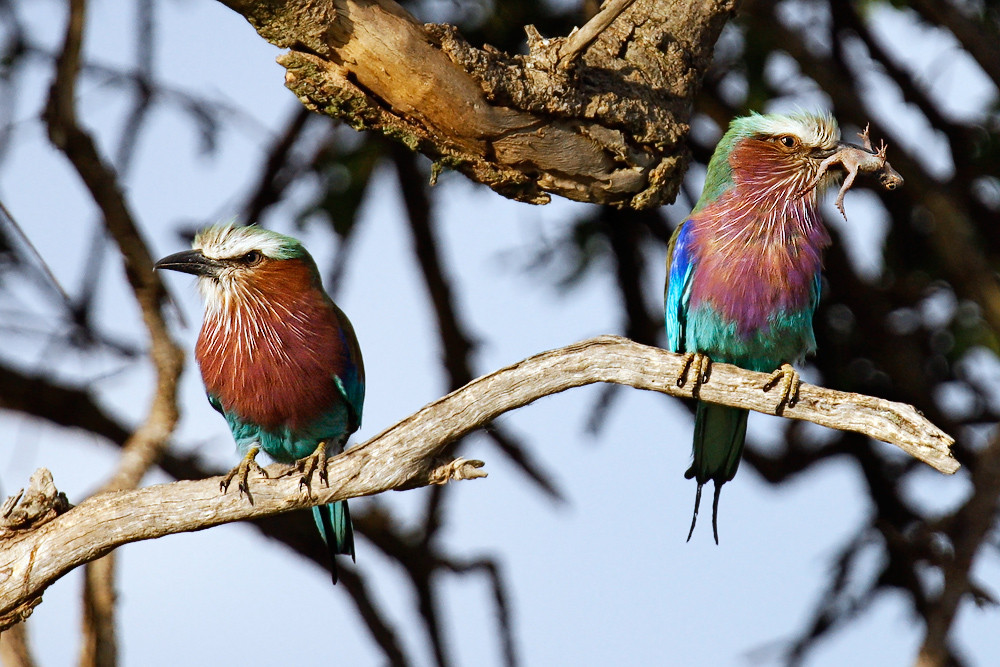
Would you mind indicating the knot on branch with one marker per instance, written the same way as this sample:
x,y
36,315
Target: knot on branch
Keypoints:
x,y
19,613
457,470
29,509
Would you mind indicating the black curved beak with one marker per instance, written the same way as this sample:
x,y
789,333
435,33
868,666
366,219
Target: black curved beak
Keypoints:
x,y
841,145
190,261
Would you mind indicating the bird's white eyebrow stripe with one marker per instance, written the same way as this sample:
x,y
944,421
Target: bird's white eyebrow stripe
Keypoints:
x,y
818,131
229,241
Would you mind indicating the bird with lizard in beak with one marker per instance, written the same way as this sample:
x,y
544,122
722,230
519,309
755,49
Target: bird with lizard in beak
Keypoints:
x,y
744,268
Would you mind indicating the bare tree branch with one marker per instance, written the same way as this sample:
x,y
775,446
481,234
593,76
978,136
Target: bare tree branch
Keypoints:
x,y
403,456
64,131
456,342
99,647
582,38
277,173
979,38
383,634
501,598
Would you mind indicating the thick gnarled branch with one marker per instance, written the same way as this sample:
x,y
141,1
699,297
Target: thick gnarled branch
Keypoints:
x,y
598,117
404,455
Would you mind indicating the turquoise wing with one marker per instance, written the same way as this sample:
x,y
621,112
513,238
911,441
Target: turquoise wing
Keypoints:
x,y
680,268
349,375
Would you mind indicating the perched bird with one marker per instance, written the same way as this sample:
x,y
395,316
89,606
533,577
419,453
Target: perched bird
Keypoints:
x,y
279,359
743,271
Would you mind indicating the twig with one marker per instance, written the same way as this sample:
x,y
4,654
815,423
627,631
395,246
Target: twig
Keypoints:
x,y
501,599
99,628
7,219
403,456
977,37
79,147
279,171
382,633
579,40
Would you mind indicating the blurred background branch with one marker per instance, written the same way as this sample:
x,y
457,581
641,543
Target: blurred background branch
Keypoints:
x,y
145,445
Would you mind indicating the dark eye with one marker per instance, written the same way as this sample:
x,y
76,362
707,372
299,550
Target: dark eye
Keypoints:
x,y
788,141
252,257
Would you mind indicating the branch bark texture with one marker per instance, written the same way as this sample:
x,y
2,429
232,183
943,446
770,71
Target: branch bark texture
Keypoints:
x,y
34,553
599,116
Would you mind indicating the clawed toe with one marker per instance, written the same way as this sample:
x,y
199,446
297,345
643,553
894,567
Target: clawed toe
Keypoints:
x,y
311,464
698,363
787,378
242,473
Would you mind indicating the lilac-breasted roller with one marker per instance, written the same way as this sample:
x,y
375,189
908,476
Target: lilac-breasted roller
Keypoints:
x,y
279,359
743,271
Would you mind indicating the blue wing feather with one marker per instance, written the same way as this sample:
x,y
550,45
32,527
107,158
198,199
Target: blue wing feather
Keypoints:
x,y
680,268
817,289
350,379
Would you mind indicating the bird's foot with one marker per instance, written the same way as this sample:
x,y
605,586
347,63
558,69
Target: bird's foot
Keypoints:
x,y
242,472
697,362
310,465
787,378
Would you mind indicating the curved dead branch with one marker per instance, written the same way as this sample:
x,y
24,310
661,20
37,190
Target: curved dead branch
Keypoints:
x,y
599,116
36,552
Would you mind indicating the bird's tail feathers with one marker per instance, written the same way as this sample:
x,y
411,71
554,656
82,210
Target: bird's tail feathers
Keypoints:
x,y
334,524
719,434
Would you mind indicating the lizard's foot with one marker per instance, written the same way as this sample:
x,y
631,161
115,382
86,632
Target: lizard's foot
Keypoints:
x,y
845,186
840,203
242,472
698,363
311,464
789,381
866,139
